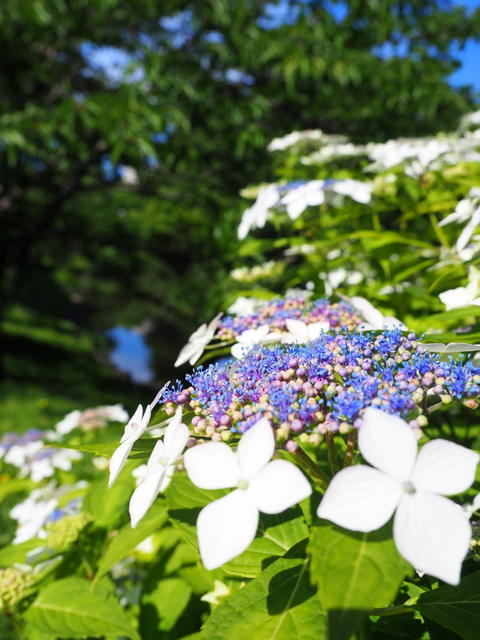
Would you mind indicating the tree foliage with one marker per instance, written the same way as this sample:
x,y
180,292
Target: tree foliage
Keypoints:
x,y
198,91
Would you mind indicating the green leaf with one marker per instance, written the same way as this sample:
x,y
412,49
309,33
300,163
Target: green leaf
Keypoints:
x,y
108,506
14,485
169,600
127,538
354,572
280,604
448,318
73,608
32,633
456,608
18,552
141,448
445,338
276,533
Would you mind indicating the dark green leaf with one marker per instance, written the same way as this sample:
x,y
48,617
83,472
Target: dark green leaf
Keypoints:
x,y
73,608
456,608
354,572
127,538
109,506
279,604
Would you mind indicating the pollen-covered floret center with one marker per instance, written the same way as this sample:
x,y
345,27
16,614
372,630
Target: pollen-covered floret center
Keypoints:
x,y
409,487
243,484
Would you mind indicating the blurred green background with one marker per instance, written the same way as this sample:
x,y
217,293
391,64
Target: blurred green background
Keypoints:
x,y
128,129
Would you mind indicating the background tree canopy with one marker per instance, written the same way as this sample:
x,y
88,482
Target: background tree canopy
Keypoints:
x,y
127,129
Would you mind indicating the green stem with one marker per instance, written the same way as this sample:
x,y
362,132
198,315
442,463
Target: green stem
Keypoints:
x,y
331,452
15,624
89,569
313,470
442,238
391,611
218,344
351,442
435,407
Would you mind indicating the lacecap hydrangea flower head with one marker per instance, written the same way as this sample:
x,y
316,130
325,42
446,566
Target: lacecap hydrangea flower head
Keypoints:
x,y
281,397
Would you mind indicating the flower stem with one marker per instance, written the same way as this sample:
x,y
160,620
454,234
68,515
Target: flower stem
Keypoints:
x,y
314,471
391,611
351,442
435,407
15,624
216,345
331,452
442,238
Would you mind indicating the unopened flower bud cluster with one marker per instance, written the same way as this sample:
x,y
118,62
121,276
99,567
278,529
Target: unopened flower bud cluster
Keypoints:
x,y
64,532
14,586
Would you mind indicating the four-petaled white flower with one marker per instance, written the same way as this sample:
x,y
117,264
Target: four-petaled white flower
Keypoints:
x,y
197,342
374,319
160,467
358,191
306,195
463,296
430,531
228,525
251,337
133,430
301,333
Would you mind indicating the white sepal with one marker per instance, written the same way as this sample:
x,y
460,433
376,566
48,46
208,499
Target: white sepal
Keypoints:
x,y
146,492
301,333
360,498
133,425
387,443
433,534
278,486
444,467
226,527
212,466
255,448
118,459
451,347
176,436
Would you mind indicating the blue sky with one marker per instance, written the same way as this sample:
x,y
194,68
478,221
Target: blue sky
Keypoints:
x,y
469,72
131,354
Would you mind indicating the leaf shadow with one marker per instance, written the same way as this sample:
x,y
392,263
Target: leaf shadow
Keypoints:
x,y
187,516
289,588
379,535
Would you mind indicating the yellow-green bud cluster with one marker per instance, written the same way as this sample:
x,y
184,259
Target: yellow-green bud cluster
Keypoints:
x,y
475,541
15,584
63,533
